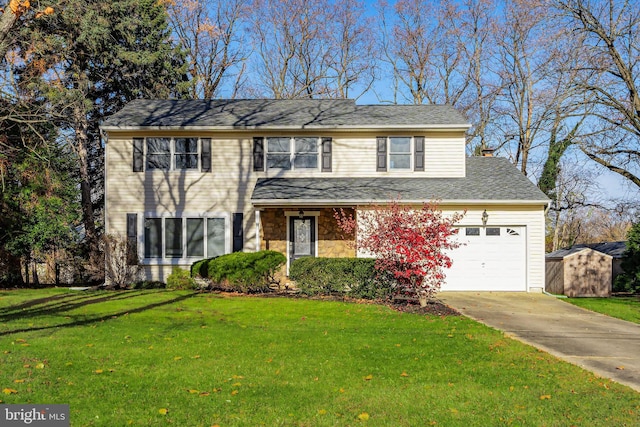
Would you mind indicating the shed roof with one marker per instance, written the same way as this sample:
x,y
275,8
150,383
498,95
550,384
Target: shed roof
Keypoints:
x,y
488,179
613,249
279,114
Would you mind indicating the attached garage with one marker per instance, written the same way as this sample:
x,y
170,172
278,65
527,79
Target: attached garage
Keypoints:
x,y
489,259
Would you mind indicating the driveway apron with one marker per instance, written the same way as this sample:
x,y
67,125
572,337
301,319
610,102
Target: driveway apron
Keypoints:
x,y
606,346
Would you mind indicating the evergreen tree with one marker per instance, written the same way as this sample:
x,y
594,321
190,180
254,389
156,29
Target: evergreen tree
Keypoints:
x,y
38,197
630,280
85,62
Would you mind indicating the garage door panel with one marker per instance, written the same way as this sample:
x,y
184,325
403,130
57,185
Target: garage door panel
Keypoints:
x,y
492,260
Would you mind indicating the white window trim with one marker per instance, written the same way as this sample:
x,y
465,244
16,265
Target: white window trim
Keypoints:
x,y
289,214
172,155
184,259
292,153
411,154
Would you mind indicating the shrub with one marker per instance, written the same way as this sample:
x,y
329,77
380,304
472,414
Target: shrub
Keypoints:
x,y
242,271
200,268
180,279
355,277
121,267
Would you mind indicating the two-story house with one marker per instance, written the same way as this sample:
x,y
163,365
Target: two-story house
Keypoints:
x,y
192,179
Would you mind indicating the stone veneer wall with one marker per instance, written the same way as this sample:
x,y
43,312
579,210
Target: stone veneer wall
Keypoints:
x,y
273,233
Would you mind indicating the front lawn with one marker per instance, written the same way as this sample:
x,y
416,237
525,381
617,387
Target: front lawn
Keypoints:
x,y
627,308
152,358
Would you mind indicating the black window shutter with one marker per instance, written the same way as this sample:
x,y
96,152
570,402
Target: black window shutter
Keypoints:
x,y
258,154
382,153
205,155
326,154
418,153
238,233
138,154
132,239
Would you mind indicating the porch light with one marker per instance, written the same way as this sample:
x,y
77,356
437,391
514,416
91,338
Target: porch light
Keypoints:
x,y
301,214
485,217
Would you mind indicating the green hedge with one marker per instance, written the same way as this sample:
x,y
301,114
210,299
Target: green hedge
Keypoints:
x,y
241,271
356,277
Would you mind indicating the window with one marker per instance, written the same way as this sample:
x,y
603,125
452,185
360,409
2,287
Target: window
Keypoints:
x,y
472,231
278,153
186,153
493,231
158,153
184,237
400,153
292,153
153,238
512,232
306,153
166,153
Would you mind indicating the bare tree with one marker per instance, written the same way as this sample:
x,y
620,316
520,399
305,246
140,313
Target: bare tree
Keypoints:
x,y
211,32
290,41
353,62
477,38
611,32
525,63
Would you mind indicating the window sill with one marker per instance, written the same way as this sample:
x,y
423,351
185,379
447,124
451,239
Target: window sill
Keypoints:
x,y
169,261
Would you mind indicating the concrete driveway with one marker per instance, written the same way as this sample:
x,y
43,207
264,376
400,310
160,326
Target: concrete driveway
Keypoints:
x,y
604,345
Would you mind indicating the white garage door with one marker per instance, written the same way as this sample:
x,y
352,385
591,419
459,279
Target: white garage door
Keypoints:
x,y
491,259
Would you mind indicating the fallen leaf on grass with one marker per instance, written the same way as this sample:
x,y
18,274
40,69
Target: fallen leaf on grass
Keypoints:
x,y
10,391
322,411
163,411
368,377
404,374
620,368
177,358
40,366
205,393
18,381
363,416
545,397
234,392
192,391
98,371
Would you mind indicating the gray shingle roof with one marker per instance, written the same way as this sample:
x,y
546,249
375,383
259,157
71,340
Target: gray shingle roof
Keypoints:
x,y
282,113
487,179
614,249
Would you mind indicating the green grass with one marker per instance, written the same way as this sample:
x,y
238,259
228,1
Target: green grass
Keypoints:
x,y
627,308
120,358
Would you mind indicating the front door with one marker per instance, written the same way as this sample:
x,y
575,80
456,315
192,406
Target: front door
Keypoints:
x,y
302,237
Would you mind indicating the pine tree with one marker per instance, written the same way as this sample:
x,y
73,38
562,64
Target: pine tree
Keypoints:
x,y
85,62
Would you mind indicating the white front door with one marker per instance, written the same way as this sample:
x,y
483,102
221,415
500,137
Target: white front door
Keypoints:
x,y
491,259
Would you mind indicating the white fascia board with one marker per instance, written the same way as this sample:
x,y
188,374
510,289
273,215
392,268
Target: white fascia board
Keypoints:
x,y
319,202
417,128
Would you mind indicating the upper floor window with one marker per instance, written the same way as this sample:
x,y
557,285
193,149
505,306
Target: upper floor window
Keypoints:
x,y
292,153
400,153
164,153
186,153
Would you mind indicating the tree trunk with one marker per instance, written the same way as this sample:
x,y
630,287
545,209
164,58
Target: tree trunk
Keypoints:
x,y
7,21
88,220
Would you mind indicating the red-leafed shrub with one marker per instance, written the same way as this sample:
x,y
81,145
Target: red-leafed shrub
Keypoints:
x,y
409,243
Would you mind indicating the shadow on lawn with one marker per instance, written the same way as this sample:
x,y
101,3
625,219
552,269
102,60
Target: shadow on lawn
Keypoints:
x,y
68,302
